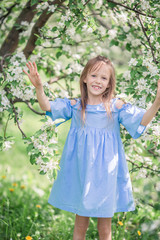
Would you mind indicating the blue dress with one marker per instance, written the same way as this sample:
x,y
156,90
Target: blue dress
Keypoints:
x,y
94,179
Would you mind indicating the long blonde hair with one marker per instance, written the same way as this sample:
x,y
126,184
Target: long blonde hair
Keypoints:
x,y
109,92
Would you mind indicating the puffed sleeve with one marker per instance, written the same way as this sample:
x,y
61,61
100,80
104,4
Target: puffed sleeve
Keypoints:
x,y
130,117
60,108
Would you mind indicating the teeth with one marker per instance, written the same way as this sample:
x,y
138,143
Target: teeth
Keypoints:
x,y
96,87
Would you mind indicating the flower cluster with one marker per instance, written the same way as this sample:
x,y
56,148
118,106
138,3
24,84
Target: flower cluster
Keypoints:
x,y
43,148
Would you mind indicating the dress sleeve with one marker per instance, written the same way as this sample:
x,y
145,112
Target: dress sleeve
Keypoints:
x,y
130,117
60,108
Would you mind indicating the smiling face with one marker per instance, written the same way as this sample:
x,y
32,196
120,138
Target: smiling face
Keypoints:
x,y
97,81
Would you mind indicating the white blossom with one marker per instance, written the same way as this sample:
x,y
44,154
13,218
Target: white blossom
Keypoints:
x,y
70,31
98,4
7,145
51,8
133,62
136,42
112,33
126,28
127,75
76,67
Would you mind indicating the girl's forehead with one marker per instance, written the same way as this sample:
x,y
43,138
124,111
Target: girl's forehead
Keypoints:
x,y
100,66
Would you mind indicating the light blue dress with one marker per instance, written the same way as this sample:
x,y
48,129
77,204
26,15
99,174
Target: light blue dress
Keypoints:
x,y
94,180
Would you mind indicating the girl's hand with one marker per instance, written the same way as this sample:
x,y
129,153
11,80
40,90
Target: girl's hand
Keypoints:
x,y
158,93
33,75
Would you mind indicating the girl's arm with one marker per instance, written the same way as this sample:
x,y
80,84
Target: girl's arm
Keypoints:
x,y
37,83
150,113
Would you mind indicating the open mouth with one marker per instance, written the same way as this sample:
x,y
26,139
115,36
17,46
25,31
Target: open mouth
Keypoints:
x,y
96,87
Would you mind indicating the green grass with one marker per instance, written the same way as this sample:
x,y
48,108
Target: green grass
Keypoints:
x,y
24,211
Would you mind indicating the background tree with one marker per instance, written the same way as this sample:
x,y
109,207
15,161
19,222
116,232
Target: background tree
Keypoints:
x,y
61,36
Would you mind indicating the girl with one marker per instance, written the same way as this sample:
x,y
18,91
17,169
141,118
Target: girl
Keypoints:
x,y
94,180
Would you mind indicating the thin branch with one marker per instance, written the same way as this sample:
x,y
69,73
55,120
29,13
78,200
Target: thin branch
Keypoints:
x,y
99,20
5,129
132,9
28,104
14,110
9,9
144,31
86,2
142,166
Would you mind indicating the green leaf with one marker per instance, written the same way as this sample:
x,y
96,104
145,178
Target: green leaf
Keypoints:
x,y
33,2
42,173
51,145
54,29
54,173
30,147
122,37
158,39
113,42
148,98
45,159
44,120
150,146
58,54
128,47
32,159
112,5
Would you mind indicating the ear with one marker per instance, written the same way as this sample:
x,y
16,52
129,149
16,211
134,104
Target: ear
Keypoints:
x,y
84,81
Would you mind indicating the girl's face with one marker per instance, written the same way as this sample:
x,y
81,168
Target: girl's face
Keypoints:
x,y
98,80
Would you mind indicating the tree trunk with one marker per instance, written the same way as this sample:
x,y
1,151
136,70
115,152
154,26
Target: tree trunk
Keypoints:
x,y
11,42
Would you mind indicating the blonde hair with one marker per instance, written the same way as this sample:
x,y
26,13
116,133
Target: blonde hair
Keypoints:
x,y
109,93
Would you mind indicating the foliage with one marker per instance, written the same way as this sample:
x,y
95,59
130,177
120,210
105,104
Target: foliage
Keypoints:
x,y
61,36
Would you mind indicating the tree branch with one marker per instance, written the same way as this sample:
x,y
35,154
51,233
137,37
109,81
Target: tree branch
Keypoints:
x,y
2,18
35,30
148,40
14,110
132,9
142,166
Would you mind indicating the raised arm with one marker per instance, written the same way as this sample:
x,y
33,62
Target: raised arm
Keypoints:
x,y
151,112
37,83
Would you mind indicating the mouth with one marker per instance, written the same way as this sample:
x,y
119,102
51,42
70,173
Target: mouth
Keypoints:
x,y
96,87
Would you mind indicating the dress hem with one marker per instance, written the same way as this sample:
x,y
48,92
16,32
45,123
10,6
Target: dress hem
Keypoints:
x,y
74,210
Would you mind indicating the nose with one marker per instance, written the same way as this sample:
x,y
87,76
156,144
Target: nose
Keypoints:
x,y
98,80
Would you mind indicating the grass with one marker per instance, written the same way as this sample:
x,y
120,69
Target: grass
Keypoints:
x,y
24,211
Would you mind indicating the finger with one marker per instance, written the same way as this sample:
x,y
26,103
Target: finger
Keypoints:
x,y
26,72
30,64
35,66
29,67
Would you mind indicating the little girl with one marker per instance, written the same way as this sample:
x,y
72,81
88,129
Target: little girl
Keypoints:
x,y
94,180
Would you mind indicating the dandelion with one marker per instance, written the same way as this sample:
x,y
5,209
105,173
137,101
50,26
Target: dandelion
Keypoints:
x,y
22,187
14,184
38,206
11,189
120,223
29,238
3,176
139,233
